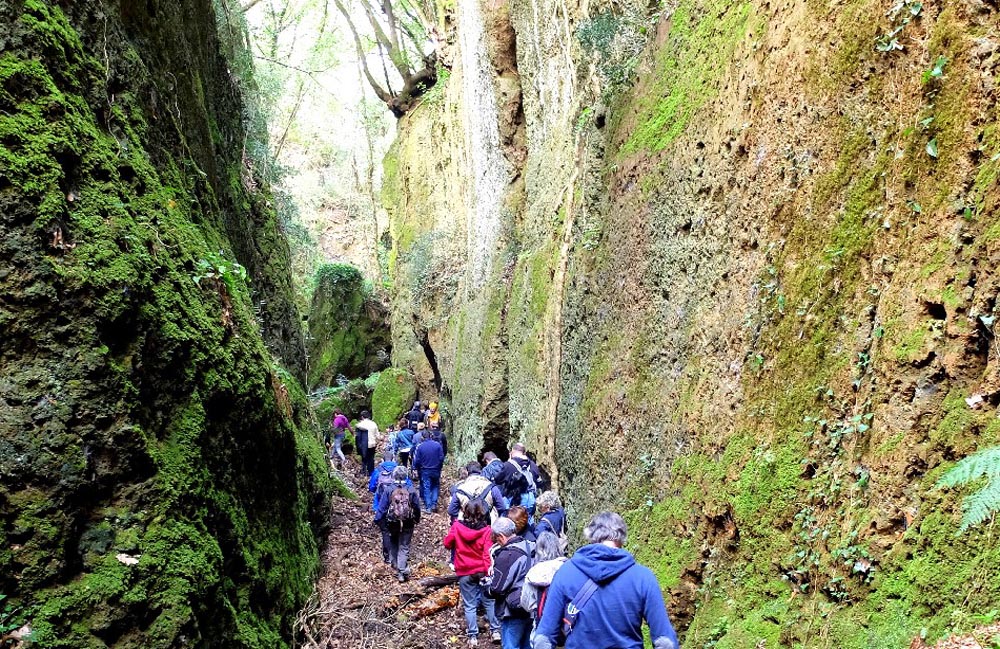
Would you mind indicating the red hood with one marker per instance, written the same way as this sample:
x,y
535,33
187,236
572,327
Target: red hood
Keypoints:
x,y
467,534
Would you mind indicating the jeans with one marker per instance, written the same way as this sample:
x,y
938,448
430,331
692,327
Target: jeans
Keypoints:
x,y
399,544
338,441
430,487
515,633
473,592
367,456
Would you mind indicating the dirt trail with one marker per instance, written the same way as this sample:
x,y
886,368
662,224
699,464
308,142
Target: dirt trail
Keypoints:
x,y
359,604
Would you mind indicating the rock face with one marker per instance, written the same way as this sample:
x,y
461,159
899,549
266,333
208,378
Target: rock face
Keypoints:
x,y
162,483
394,394
742,295
348,328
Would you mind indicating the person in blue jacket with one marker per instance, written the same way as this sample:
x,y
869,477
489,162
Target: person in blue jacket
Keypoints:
x,y
404,443
380,478
626,594
428,460
382,475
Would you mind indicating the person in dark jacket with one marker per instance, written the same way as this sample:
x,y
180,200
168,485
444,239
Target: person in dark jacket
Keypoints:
x,y
437,433
470,540
382,476
511,563
519,479
492,466
551,515
397,533
627,594
414,416
428,460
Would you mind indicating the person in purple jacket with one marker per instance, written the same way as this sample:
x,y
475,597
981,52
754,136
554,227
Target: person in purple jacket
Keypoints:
x,y
340,426
600,598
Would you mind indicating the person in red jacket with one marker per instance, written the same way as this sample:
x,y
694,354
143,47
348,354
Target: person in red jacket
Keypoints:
x,y
471,539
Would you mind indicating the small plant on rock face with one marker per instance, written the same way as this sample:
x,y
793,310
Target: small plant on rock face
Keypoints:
x,y
982,505
936,71
900,16
216,266
7,614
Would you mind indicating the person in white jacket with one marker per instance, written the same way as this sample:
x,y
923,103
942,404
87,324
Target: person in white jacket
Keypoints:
x,y
548,559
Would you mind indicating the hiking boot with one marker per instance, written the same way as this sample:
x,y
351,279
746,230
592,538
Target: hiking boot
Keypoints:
x,y
401,576
495,636
473,642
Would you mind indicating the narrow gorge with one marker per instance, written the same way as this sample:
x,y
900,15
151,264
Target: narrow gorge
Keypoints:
x,y
727,268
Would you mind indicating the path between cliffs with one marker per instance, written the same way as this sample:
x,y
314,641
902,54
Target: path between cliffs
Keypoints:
x,y
359,604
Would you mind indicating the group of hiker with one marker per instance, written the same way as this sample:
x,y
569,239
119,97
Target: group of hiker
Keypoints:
x,y
508,542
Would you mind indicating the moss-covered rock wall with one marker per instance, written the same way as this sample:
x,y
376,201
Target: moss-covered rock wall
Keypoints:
x,y
348,327
744,297
162,480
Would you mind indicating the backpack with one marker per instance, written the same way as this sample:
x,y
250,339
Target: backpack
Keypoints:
x,y
384,478
400,509
485,497
523,487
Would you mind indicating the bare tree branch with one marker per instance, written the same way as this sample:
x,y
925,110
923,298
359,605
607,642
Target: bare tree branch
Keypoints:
x,y
403,35
381,93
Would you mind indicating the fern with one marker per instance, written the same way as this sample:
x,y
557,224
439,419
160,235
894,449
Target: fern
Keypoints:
x,y
980,506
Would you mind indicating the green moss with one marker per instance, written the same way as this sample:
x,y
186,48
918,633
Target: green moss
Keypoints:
x,y
912,346
393,396
655,545
218,476
348,332
845,61
704,35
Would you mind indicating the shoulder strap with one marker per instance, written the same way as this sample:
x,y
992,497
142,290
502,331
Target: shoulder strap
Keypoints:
x,y
525,473
576,605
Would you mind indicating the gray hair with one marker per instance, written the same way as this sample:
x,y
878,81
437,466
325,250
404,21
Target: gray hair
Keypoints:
x,y
503,526
606,526
547,502
399,474
547,547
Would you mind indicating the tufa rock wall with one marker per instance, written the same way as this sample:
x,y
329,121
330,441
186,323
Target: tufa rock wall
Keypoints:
x,y
742,296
